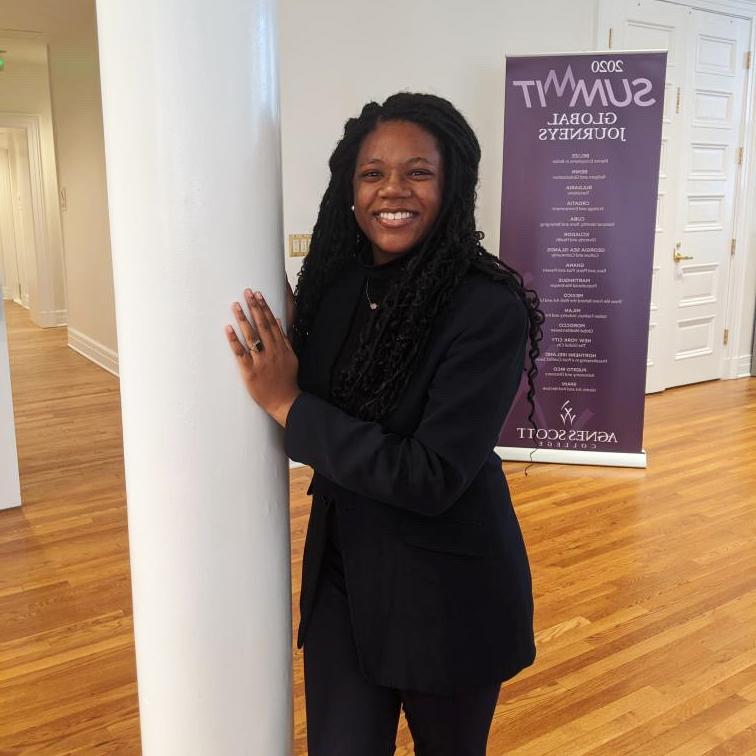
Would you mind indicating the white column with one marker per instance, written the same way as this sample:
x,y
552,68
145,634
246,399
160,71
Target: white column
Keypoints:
x,y
190,105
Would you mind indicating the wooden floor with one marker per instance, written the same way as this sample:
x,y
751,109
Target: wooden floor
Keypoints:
x,y
645,580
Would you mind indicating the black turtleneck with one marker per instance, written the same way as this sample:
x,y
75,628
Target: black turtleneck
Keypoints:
x,y
374,284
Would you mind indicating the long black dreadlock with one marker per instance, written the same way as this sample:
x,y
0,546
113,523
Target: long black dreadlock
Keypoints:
x,y
390,344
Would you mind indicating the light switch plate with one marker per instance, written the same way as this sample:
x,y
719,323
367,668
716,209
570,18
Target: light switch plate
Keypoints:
x,y
299,244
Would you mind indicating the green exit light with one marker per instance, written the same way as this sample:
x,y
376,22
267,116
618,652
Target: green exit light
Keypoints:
x,y
2,60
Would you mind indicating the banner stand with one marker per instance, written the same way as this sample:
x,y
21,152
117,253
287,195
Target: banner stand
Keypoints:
x,y
580,173
571,456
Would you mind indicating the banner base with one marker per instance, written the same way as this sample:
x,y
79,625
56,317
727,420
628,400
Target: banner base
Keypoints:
x,y
571,456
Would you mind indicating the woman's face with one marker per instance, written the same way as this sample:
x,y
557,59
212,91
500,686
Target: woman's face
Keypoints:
x,y
398,184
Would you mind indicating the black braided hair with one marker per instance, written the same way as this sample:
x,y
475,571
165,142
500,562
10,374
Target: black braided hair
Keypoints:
x,y
390,344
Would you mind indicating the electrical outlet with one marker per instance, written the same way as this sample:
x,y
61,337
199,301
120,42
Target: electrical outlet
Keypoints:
x,y
299,244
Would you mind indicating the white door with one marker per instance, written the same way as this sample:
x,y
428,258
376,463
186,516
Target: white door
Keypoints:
x,y
713,99
701,135
9,274
18,152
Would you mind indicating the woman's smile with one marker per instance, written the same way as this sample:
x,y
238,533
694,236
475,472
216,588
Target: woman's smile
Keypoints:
x,y
395,218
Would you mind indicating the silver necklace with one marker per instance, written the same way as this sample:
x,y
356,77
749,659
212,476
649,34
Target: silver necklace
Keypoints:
x,y
373,305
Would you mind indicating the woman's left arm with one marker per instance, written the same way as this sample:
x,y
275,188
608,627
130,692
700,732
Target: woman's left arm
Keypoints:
x,y
468,400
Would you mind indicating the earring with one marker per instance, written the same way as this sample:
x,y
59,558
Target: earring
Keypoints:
x,y
352,208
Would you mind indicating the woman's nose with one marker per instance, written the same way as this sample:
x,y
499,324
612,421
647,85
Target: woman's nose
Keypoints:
x,y
395,186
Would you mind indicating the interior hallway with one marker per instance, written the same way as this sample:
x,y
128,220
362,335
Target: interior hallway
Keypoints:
x,y
645,580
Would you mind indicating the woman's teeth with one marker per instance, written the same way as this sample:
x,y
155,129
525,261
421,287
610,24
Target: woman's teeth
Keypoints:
x,y
395,216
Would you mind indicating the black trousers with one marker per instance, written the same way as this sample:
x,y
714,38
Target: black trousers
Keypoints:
x,y
349,716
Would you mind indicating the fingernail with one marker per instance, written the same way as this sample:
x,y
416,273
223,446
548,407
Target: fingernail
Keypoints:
x,y
259,295
248,292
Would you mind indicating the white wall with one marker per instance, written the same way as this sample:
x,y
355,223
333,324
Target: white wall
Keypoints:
x,y
339,54
77,110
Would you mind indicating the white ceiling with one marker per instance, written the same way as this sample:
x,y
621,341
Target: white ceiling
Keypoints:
x,y
50,17
26,26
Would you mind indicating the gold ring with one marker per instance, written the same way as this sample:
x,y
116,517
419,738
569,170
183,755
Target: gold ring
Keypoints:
x,y
257,346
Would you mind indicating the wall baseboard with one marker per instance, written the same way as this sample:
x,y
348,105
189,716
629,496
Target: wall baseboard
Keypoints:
x,y
743,368
94,351
53,318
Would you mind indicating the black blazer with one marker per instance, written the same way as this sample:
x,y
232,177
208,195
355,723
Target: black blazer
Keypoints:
x,y
435,565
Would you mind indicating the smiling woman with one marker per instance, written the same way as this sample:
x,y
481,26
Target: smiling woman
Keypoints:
x,y
408,343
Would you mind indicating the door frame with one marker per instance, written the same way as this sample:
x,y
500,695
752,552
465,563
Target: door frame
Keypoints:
x,y
732,364
44,182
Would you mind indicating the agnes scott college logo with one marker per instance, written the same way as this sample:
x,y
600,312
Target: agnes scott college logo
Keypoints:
x,y
567,413
569,436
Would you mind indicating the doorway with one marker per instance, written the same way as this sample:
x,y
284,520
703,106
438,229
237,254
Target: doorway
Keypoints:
x,y
42,239
700,174
17,246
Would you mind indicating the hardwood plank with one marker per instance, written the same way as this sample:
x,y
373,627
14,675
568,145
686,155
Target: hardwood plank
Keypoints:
x,y
645,580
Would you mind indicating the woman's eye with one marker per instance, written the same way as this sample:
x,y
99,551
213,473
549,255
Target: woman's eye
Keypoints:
x,y
370,174
420,172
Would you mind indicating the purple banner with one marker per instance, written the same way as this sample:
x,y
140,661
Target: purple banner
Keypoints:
x,y
582,136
